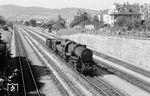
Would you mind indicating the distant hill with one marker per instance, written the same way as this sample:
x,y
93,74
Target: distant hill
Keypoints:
x,y
13,10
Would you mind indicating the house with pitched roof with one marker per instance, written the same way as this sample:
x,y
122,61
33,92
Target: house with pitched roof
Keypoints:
x,y
126,11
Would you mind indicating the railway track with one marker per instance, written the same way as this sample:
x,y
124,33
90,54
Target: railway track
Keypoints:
x,y
99,85
130,78
125,64
133,79
28,79
57,75
110,90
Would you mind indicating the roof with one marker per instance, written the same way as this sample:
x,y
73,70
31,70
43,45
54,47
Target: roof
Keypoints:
x,y
127,9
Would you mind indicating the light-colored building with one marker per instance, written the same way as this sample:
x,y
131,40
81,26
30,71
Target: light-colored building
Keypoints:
x,y
89,27
126,11
106,18
145,11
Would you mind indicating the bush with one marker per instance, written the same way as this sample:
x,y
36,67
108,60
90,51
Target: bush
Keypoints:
x,y
2,21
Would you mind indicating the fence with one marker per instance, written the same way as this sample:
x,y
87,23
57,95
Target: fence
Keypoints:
x,y
127,34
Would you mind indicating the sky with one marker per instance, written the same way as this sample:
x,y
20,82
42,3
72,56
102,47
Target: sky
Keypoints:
x,y
88,4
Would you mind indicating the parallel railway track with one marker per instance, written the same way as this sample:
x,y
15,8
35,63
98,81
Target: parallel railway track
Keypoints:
x,y
134,80
101,86
26,71
46,60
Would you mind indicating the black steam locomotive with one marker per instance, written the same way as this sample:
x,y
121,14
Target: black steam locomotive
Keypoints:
x,y
76,54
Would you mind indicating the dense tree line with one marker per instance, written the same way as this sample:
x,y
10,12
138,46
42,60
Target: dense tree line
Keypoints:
x,y
83,18
55,25
5,24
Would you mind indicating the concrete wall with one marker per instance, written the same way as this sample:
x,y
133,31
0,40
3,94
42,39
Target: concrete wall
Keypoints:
x,y
134,51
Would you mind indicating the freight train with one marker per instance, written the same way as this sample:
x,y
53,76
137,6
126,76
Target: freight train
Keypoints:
x,y
78,55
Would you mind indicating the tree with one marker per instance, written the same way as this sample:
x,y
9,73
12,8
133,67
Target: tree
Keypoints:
x,y
129,23
95,19
96,22
32,22
61,21
55,25
59,24
27,23
2,21
10,24
76,21
49,25
81,17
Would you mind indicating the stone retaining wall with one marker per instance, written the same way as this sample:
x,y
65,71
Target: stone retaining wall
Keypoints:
x,y
134,51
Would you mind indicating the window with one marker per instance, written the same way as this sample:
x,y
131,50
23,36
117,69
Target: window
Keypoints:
x,y
130,10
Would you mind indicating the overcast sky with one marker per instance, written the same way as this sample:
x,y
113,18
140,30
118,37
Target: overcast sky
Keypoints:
x,y
88,4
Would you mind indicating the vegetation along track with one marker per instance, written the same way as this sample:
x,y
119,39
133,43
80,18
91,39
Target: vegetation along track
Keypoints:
x,y
133,79
99,85
28,79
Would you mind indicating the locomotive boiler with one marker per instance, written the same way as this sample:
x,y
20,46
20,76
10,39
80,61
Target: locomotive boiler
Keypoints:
x,y
76,54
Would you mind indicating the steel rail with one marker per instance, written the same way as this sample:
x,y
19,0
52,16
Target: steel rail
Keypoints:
x,y
61,74
22,76
119,73
33,78
104,92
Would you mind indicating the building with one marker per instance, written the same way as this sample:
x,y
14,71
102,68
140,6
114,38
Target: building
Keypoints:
x,y
145,11
126,11
89,27
105,17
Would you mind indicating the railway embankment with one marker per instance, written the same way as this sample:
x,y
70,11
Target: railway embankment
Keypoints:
x,y
132,51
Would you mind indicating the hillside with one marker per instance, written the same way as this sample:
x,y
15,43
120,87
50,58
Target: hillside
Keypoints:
x,y
13,10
